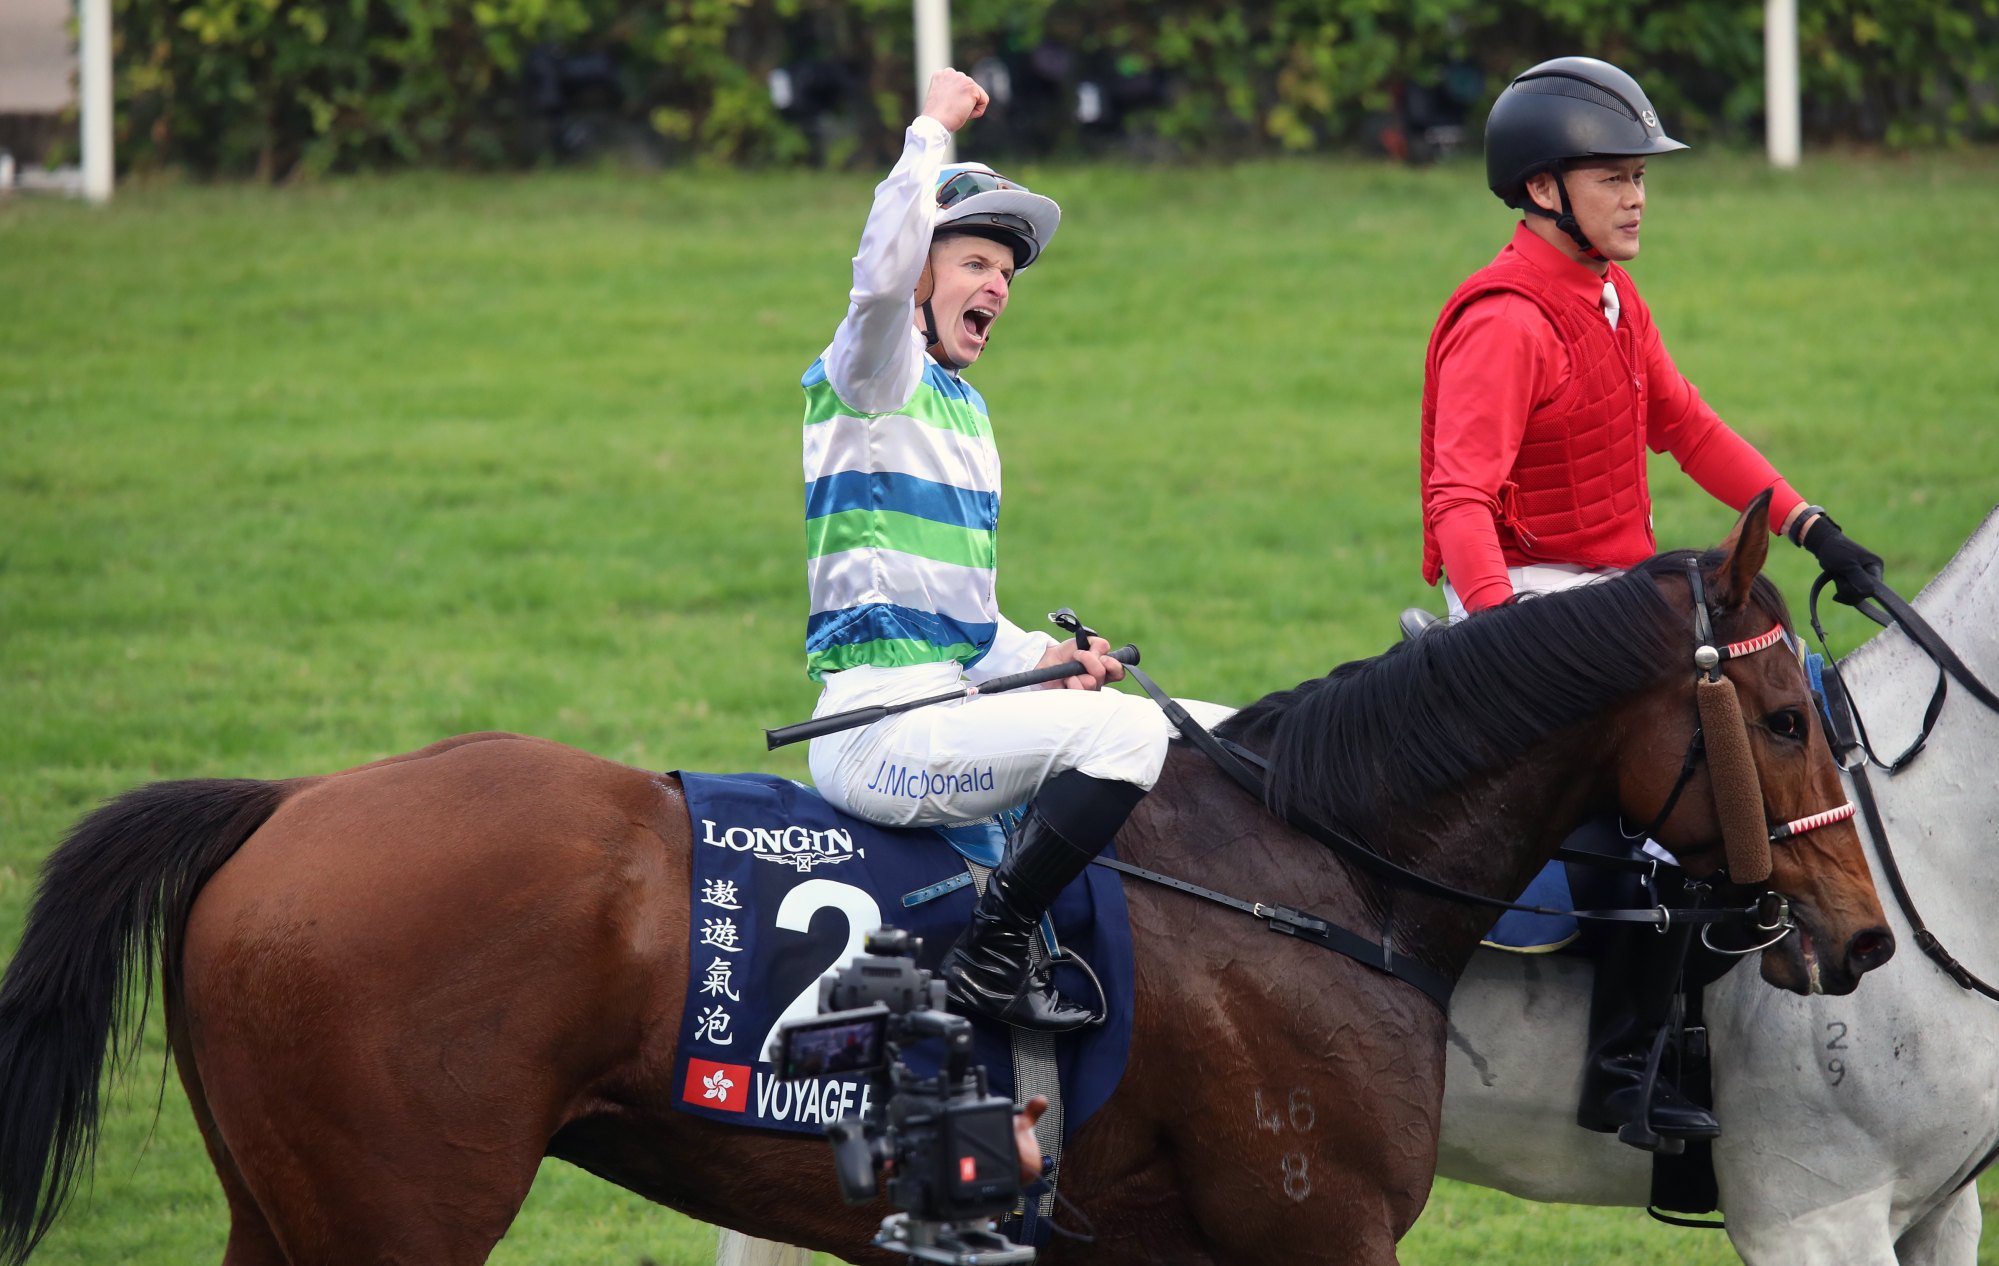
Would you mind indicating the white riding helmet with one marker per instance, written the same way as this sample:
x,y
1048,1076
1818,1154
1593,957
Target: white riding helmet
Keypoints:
x,y
973,198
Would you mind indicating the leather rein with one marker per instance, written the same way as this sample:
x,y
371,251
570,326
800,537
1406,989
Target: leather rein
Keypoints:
x,y
1856,752
1718,711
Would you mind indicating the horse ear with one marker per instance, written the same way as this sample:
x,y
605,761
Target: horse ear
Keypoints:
x,y
1743,555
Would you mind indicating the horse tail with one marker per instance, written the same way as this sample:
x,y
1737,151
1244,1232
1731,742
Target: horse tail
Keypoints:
x,y
733,1248
112,906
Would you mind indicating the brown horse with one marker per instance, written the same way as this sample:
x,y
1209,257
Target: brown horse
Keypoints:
x,y
391,991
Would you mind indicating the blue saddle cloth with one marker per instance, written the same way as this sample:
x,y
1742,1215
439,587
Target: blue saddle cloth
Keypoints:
x,y
1524,933
785,887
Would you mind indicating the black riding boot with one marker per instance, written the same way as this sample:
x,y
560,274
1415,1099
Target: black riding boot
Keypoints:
x,y
989,970
1636,977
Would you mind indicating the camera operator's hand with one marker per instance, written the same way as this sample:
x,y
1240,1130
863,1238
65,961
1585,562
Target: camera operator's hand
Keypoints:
x,y
1023,1138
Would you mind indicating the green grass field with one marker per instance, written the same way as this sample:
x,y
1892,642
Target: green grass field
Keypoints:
x,y
294,479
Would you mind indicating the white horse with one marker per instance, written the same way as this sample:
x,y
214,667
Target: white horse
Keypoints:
x,y
1850,1126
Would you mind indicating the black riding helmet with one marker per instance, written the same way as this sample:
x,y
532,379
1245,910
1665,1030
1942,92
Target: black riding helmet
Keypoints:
x,y
1560,111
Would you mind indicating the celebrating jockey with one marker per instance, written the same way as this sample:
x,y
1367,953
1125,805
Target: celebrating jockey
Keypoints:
x,y
902,498
1545,382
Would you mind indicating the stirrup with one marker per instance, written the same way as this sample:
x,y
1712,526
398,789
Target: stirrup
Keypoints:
x,y
1102,1010
1638,1131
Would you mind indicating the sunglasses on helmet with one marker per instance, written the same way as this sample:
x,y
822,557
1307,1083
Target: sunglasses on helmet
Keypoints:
x,y
964,184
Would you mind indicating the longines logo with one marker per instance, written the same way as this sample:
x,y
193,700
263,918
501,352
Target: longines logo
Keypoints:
x,y
791,846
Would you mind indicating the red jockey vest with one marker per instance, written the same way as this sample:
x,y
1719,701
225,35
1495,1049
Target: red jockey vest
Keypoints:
x,y
1577,490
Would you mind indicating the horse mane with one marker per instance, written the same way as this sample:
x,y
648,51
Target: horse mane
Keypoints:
x,y
1388,733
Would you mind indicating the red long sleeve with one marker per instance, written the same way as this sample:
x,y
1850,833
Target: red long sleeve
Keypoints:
x,y
1498,361
1679,422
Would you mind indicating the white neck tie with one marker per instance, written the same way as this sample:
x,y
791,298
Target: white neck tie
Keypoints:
x,y
1610,305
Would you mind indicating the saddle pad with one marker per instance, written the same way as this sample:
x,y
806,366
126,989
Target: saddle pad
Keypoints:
x,y
785,888
1521,933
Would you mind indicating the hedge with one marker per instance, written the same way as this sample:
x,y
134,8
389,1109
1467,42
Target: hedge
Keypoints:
x,y
283,89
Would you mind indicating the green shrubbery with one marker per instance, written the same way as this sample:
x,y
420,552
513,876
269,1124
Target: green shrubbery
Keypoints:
x,y
283,87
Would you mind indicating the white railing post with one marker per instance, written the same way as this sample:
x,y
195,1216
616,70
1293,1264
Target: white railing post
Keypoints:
x,y
1780,81
933,50
94,76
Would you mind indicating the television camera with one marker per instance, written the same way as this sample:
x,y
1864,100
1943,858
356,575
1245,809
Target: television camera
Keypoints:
x,y
945,1142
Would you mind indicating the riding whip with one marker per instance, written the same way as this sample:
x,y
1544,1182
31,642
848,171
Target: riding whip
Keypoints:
x,y
785,734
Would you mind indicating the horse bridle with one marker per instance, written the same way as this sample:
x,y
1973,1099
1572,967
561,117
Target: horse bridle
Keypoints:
x,y
1722,734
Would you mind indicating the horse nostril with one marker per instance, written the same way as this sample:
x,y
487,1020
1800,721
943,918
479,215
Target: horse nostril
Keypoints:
x,y
1868,950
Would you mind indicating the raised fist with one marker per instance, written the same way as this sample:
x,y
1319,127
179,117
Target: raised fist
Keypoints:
x,y
954,98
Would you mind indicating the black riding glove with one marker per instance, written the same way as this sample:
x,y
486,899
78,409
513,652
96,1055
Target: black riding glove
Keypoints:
x,y
1852,566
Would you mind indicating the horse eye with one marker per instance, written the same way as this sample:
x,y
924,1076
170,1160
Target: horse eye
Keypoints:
x,y
1786,723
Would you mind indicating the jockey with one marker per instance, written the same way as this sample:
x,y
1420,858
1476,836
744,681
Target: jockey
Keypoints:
x,y
1544,384
902,495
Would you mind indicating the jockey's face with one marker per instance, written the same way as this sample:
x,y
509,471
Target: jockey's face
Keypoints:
x,y
972,277
1608,199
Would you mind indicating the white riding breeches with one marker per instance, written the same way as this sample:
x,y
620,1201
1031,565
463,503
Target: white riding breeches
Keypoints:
x,y
1535,578
971,758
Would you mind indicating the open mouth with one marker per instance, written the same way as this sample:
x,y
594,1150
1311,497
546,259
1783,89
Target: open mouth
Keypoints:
x,y
1808,969
1793,964
978,324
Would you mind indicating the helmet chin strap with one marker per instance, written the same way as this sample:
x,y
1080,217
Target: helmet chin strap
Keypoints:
x,y
926,286
1566,220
